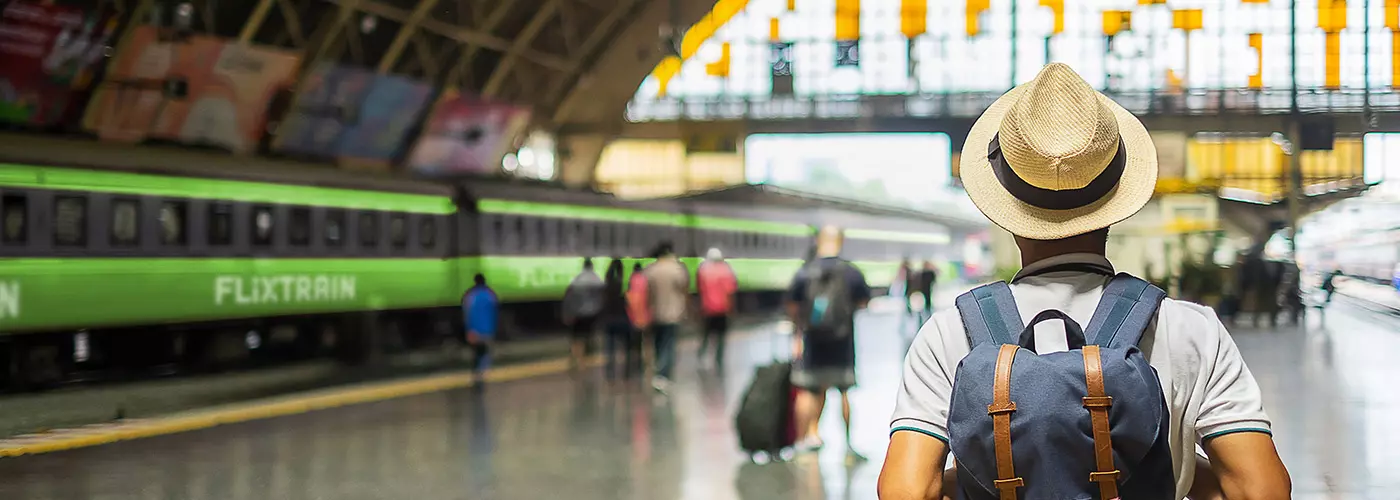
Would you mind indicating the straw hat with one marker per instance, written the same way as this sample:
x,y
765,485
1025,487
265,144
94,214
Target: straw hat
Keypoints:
x,y
1053,158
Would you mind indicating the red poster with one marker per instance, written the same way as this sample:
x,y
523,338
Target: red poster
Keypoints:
x,y
46,52
466,134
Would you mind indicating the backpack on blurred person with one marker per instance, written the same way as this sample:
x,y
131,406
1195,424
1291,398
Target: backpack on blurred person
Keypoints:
x,y
1090,422
827,309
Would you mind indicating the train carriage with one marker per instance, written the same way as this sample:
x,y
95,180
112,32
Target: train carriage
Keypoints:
x,y
148,267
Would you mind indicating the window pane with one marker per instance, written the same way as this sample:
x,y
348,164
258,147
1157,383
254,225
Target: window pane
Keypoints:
x,y
369,229
427,231
70,221
220,224
299,227
125,222
262,225
398,231
335,228
172,223
14,211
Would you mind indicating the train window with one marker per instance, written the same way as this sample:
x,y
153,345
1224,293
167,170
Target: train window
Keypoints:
x,y
600,240
398,230
427,231
70,221
172,222
299,226
519,234
540,235
14,210
619,240
335,228
220,224
369,229
498,233
126,218
262,225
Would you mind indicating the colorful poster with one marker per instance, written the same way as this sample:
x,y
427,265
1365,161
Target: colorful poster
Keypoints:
x,y
348,112
198,90
466,134
47,52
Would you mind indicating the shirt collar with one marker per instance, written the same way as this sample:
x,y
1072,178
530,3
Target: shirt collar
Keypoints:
x,y
1075,259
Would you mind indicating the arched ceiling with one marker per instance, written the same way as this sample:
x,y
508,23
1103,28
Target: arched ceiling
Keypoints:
x,y
576,63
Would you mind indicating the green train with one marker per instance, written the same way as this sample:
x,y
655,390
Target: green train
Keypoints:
x,y
117,269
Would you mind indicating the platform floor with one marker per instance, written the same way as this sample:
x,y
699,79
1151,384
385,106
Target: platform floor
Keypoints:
x,y
1330,387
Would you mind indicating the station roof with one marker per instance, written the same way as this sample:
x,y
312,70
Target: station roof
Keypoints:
x,y
569,60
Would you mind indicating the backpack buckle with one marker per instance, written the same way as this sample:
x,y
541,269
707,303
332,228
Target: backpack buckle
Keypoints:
x,y
1013,483
1098,401
993,409
1099,477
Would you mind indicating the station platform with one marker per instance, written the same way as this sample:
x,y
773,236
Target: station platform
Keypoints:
x,y
1329,386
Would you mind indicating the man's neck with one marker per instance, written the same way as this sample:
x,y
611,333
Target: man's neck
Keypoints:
x,y
1033,251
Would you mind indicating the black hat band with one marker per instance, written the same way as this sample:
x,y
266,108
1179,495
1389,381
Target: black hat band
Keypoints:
x,y
1050,199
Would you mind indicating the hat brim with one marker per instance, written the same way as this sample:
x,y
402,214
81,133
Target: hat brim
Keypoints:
x,y
1022,219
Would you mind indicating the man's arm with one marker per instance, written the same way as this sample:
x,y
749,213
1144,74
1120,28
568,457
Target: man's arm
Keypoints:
x,y
913,468
1248,467
918,444
1234,430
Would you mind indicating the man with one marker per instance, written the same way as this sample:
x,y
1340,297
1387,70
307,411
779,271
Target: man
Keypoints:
x,y
822,302
668,289
480,309
583,300
1056,163
716,283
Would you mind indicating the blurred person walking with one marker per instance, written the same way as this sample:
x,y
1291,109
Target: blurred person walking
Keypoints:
x,y
822,302
616,321
639,312
583,301
668,291
928,280
1024,402
480,314
716,282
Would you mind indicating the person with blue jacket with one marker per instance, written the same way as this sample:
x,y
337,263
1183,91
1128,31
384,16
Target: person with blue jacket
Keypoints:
x,y
480,309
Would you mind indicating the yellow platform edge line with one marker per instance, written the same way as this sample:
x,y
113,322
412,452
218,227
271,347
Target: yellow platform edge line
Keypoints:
x,y
278,406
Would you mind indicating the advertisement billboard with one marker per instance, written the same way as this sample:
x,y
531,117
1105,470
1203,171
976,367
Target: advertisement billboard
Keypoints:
x,y
47,53
347,112
466,134
196,89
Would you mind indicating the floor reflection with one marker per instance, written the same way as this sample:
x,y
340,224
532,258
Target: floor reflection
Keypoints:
x,y
1330,387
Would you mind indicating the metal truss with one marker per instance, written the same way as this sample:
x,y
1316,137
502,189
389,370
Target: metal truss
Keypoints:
x,y
530,52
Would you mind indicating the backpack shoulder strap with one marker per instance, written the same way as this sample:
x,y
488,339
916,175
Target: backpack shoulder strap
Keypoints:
x,y
1128,305
989,314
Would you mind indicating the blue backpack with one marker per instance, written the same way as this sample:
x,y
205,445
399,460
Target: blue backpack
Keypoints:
x,y
1087,423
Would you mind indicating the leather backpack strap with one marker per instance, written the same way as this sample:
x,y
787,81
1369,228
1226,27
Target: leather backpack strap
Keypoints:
x,y
1001,408
1098,403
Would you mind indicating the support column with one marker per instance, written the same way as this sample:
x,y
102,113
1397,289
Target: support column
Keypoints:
x,y
1293,184
578,156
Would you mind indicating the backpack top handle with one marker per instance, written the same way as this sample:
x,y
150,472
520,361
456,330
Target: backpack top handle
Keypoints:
x,y
1074,335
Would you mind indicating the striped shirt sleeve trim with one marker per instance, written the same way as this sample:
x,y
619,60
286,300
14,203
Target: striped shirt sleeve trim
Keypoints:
x,y
925,432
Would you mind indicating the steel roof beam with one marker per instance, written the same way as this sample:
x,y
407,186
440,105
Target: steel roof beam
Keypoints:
x,y
590,46
401,39
461,34
522,41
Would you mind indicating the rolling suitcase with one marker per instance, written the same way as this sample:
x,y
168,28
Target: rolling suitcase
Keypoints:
x,y
765,422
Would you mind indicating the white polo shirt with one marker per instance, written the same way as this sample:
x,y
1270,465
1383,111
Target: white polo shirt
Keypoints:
x,y
1208,387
